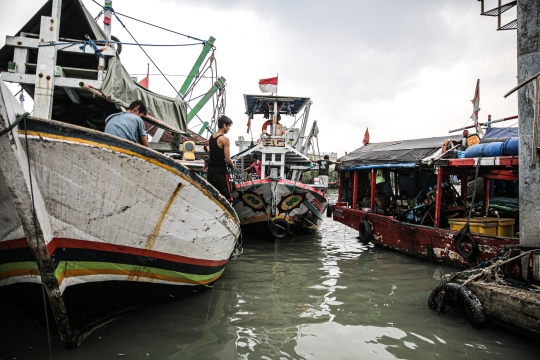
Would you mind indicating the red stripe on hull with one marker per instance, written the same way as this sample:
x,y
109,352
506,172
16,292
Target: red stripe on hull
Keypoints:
x,y
282,181
13,244
57,243
420,241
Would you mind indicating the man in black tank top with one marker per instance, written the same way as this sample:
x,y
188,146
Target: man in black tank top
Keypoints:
x,y
220,157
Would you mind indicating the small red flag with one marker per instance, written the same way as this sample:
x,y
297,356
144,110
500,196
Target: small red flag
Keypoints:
x,y
366,137
145,82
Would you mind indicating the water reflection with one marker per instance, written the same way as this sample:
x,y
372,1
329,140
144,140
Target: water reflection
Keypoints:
x,y
316,296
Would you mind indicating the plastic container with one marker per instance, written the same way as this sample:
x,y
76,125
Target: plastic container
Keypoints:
x,y
493,149
506,227
474,151
511,147
481,225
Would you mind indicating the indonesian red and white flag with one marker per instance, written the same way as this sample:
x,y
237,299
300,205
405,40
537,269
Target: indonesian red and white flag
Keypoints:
x,y
476,108
268,85
146,81
366,137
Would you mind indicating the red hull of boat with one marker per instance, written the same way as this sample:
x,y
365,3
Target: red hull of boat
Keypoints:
x,y
432,244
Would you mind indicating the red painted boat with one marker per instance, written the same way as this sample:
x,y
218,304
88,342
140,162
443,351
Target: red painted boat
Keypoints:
x,y
394,171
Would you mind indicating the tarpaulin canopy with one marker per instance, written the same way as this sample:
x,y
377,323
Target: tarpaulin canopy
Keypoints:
x,y
500,133
395,152
75,23
119,86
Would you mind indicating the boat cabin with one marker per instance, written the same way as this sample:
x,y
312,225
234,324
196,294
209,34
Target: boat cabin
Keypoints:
x,y
414,195
282,151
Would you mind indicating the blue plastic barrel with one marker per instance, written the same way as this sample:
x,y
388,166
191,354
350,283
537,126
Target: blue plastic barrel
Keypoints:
x,y
493,149
511,147
474,151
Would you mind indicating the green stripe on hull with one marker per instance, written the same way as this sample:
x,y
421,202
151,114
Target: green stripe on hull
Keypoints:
x,y
85,265
18,266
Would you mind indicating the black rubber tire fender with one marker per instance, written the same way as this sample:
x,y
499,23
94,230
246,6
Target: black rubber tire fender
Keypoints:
x,y
474,308
364,232
329,211
466,237
432,300
279,228
464,297
118,46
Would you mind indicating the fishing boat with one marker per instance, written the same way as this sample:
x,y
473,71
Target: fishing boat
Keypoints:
x,y
278,201
100,224
412,196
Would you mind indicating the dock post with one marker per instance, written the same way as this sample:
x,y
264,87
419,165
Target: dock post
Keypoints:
x,y
528,55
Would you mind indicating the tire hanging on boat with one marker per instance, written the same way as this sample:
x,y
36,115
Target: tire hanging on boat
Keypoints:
x,y
463,238
364,233
463,296
279,228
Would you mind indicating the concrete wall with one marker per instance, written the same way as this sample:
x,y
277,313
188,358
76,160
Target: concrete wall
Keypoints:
x,y
528,40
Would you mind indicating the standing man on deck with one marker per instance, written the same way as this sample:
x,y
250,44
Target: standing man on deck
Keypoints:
x,y
324,166
128,125
220,157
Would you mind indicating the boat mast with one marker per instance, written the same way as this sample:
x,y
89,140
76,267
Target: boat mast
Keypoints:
x,y
301,137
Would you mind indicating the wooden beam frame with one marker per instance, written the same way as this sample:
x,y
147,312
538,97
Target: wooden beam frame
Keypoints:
x,y
59,81
21,42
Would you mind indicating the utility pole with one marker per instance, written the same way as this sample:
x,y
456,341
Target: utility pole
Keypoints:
x,y
528,62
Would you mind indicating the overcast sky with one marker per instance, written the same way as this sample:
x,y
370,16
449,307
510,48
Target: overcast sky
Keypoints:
x,y
403,69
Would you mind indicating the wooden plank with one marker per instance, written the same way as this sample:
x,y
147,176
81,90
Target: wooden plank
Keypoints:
x,y
20,57
60,81
30,43
44,81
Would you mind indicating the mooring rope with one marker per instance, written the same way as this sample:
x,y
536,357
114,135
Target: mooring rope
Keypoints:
x,y
487,273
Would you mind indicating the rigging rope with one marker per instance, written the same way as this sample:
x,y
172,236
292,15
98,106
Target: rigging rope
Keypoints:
x,y
148,56
94,42
146,23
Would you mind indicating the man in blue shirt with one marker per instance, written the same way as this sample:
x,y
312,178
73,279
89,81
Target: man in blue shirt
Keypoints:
x,y
128,125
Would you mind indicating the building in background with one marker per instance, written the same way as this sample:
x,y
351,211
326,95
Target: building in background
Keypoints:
x,y
242,144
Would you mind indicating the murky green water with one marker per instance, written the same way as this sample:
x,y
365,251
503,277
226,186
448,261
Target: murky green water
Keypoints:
x,y
321,296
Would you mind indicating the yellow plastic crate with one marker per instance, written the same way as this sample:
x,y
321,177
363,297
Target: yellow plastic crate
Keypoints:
x,y
506,227
480,225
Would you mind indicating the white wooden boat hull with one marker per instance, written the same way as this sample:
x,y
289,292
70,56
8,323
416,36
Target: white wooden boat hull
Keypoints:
x,y
119,226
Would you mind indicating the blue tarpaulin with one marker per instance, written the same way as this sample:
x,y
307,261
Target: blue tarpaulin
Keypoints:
x,y
383,166
500,133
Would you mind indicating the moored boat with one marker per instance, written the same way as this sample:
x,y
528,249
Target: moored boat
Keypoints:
x,y
400,195
278,201
105,225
